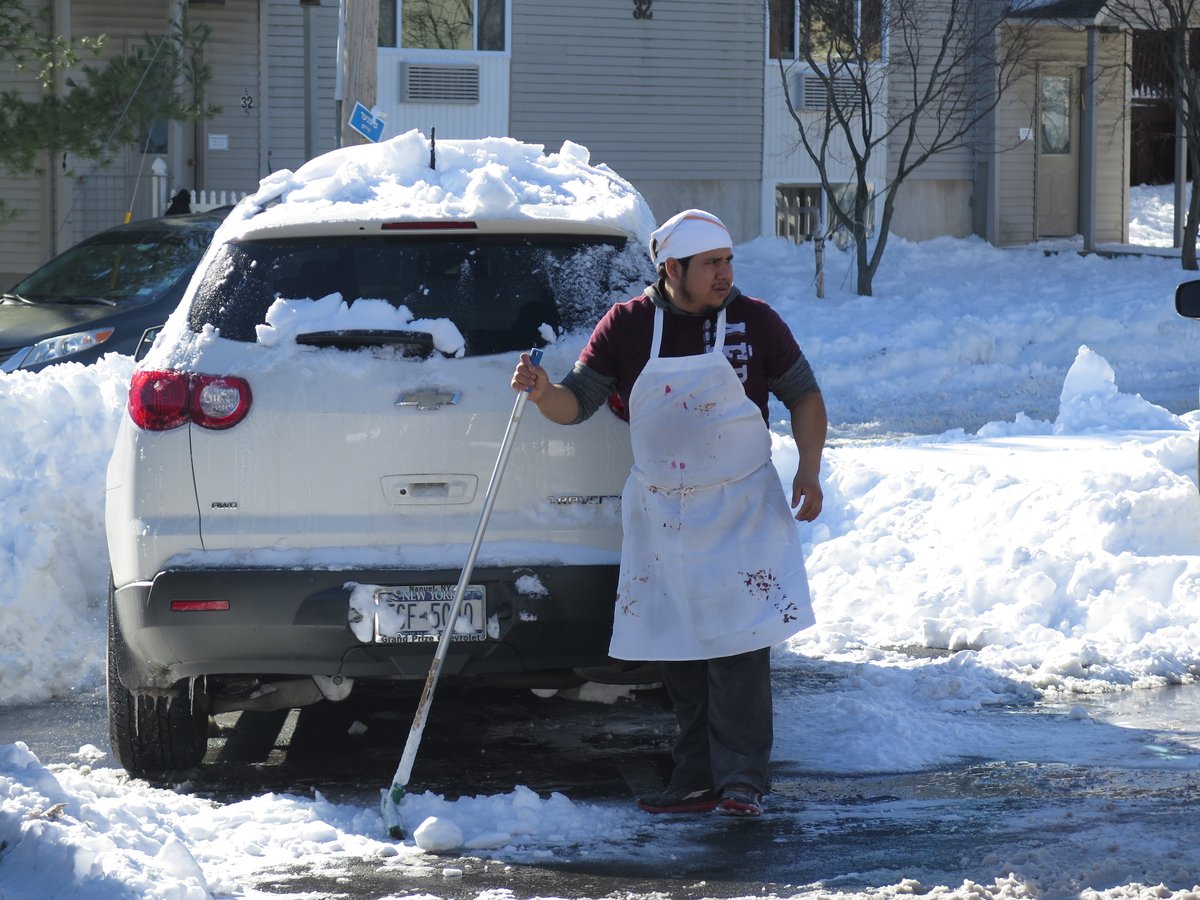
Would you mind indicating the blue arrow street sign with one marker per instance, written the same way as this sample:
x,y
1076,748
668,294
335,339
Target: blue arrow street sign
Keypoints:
x,y
366,123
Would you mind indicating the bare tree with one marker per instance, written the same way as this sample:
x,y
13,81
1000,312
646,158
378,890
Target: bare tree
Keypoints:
x,y
1176,79
907,78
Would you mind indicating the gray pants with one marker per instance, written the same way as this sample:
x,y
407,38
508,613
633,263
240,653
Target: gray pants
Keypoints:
x,y
723,709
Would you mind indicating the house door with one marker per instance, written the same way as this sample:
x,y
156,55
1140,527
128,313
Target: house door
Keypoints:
x,y
1058,154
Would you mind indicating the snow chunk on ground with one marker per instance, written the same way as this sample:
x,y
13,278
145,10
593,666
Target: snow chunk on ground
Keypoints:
x,y
1090,401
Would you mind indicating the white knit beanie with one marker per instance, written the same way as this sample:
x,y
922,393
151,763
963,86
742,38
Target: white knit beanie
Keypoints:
x,y
686,234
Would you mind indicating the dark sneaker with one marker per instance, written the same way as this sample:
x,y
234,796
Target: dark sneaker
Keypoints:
x,y
740,800
675,800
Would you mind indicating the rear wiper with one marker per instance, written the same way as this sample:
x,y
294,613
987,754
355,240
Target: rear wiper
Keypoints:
x,y
413,342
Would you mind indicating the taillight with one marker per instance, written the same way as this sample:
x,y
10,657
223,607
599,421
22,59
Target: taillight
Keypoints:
x,y
160,401
219,401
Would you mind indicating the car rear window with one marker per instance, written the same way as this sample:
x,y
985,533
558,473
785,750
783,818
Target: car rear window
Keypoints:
x,y
118,266
497,289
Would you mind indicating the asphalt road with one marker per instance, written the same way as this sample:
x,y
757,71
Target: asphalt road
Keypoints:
x,y
846,832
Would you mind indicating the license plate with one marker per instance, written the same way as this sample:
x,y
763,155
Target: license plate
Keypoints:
x,y
418,612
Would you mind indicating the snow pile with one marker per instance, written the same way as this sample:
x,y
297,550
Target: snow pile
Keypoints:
x,y
56,434
471,179
82,832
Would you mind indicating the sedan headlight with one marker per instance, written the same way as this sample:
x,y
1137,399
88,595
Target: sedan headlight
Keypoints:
x,y
64,345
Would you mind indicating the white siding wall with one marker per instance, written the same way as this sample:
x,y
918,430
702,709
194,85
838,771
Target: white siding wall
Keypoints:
x,y
486,118
785,161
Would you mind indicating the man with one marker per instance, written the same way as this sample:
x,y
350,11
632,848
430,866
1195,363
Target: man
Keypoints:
x,y
712,571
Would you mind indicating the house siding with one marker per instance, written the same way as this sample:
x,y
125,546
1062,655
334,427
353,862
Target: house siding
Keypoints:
x,y
1113,140
95,197
939,196
953,163
1017,159
241,89
74,198
23,240
300,124
256,50
674,102
1016,164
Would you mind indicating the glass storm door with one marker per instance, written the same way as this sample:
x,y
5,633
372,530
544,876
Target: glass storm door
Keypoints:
x,y
1058,155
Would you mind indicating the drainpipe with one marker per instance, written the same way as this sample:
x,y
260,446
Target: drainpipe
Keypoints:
x,y
312,61
1087,161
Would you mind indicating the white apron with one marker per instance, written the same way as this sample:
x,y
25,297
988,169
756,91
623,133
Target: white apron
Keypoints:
x,y
711,562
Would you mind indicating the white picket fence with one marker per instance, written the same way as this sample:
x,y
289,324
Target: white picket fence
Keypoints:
x,y
201,201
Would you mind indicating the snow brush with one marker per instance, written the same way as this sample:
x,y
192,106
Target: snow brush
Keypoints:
x,y
389,798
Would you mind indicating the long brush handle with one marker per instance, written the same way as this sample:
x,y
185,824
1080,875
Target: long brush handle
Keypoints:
x,y
404,770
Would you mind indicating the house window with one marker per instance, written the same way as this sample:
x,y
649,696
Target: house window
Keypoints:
x,y
442,24
1056,115
827,30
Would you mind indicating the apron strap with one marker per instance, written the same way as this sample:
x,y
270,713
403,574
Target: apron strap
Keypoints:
x,y
656,340
719,337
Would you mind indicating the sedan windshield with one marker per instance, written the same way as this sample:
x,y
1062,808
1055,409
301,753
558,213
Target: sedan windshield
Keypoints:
x,y
116,267
497,289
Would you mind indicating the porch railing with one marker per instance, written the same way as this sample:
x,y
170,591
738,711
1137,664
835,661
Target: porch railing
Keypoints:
x,y
200,201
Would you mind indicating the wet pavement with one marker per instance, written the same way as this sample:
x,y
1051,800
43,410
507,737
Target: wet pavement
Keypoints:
x,y
1059,824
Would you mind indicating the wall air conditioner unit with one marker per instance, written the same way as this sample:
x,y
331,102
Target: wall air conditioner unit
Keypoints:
x,y
438,83
813,94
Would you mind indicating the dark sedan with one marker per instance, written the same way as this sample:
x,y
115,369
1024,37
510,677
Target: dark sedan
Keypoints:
x,y
104,294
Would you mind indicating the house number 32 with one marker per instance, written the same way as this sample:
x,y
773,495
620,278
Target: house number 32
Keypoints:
x,y
641,9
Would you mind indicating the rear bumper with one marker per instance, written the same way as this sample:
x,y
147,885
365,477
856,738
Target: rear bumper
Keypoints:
x,y
296,622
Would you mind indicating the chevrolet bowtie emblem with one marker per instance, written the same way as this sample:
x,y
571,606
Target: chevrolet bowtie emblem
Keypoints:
x,y
430,398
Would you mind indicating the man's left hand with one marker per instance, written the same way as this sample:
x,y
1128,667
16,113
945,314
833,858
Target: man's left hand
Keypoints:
x,y
807,494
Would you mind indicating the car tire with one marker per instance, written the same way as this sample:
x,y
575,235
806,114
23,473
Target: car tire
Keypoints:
x,y
152,733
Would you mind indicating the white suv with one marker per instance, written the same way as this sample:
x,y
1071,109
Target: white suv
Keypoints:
x,y
302,467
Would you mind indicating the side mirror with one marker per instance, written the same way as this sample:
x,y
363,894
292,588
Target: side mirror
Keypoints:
x,y
1187,299
150,334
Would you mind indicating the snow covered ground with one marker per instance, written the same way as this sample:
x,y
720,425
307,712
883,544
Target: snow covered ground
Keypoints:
x,y
1010,481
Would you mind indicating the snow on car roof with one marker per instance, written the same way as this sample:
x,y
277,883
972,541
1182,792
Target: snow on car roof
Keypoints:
x,y
481,180
491,181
